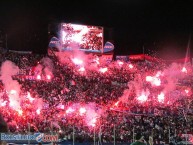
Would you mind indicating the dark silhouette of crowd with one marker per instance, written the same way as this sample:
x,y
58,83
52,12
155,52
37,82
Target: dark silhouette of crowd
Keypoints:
x,y
120,112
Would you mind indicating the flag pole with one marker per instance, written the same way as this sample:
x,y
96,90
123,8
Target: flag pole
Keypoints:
x,y
188,55
94,136
144,52
133,134
186,137
100,132
73,135
169,135
114,135
143,49
29,132
52,130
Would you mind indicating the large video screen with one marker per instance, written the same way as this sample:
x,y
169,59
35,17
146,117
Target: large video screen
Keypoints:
x,y
83,37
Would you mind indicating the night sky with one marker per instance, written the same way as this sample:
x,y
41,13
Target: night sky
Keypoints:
x,y
162,27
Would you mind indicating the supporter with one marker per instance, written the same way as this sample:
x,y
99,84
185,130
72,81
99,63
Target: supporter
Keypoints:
x,y
141,141
114,92
3,129
3,125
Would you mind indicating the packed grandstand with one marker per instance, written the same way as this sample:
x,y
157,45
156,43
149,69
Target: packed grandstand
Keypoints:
x,y
84,94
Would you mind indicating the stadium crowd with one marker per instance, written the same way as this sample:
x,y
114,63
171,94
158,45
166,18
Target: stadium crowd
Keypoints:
x,y
118,96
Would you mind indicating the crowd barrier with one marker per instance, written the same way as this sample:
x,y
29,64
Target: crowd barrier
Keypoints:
x,y
71,143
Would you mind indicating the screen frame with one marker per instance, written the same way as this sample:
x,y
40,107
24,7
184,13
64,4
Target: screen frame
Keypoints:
x,y
102,29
